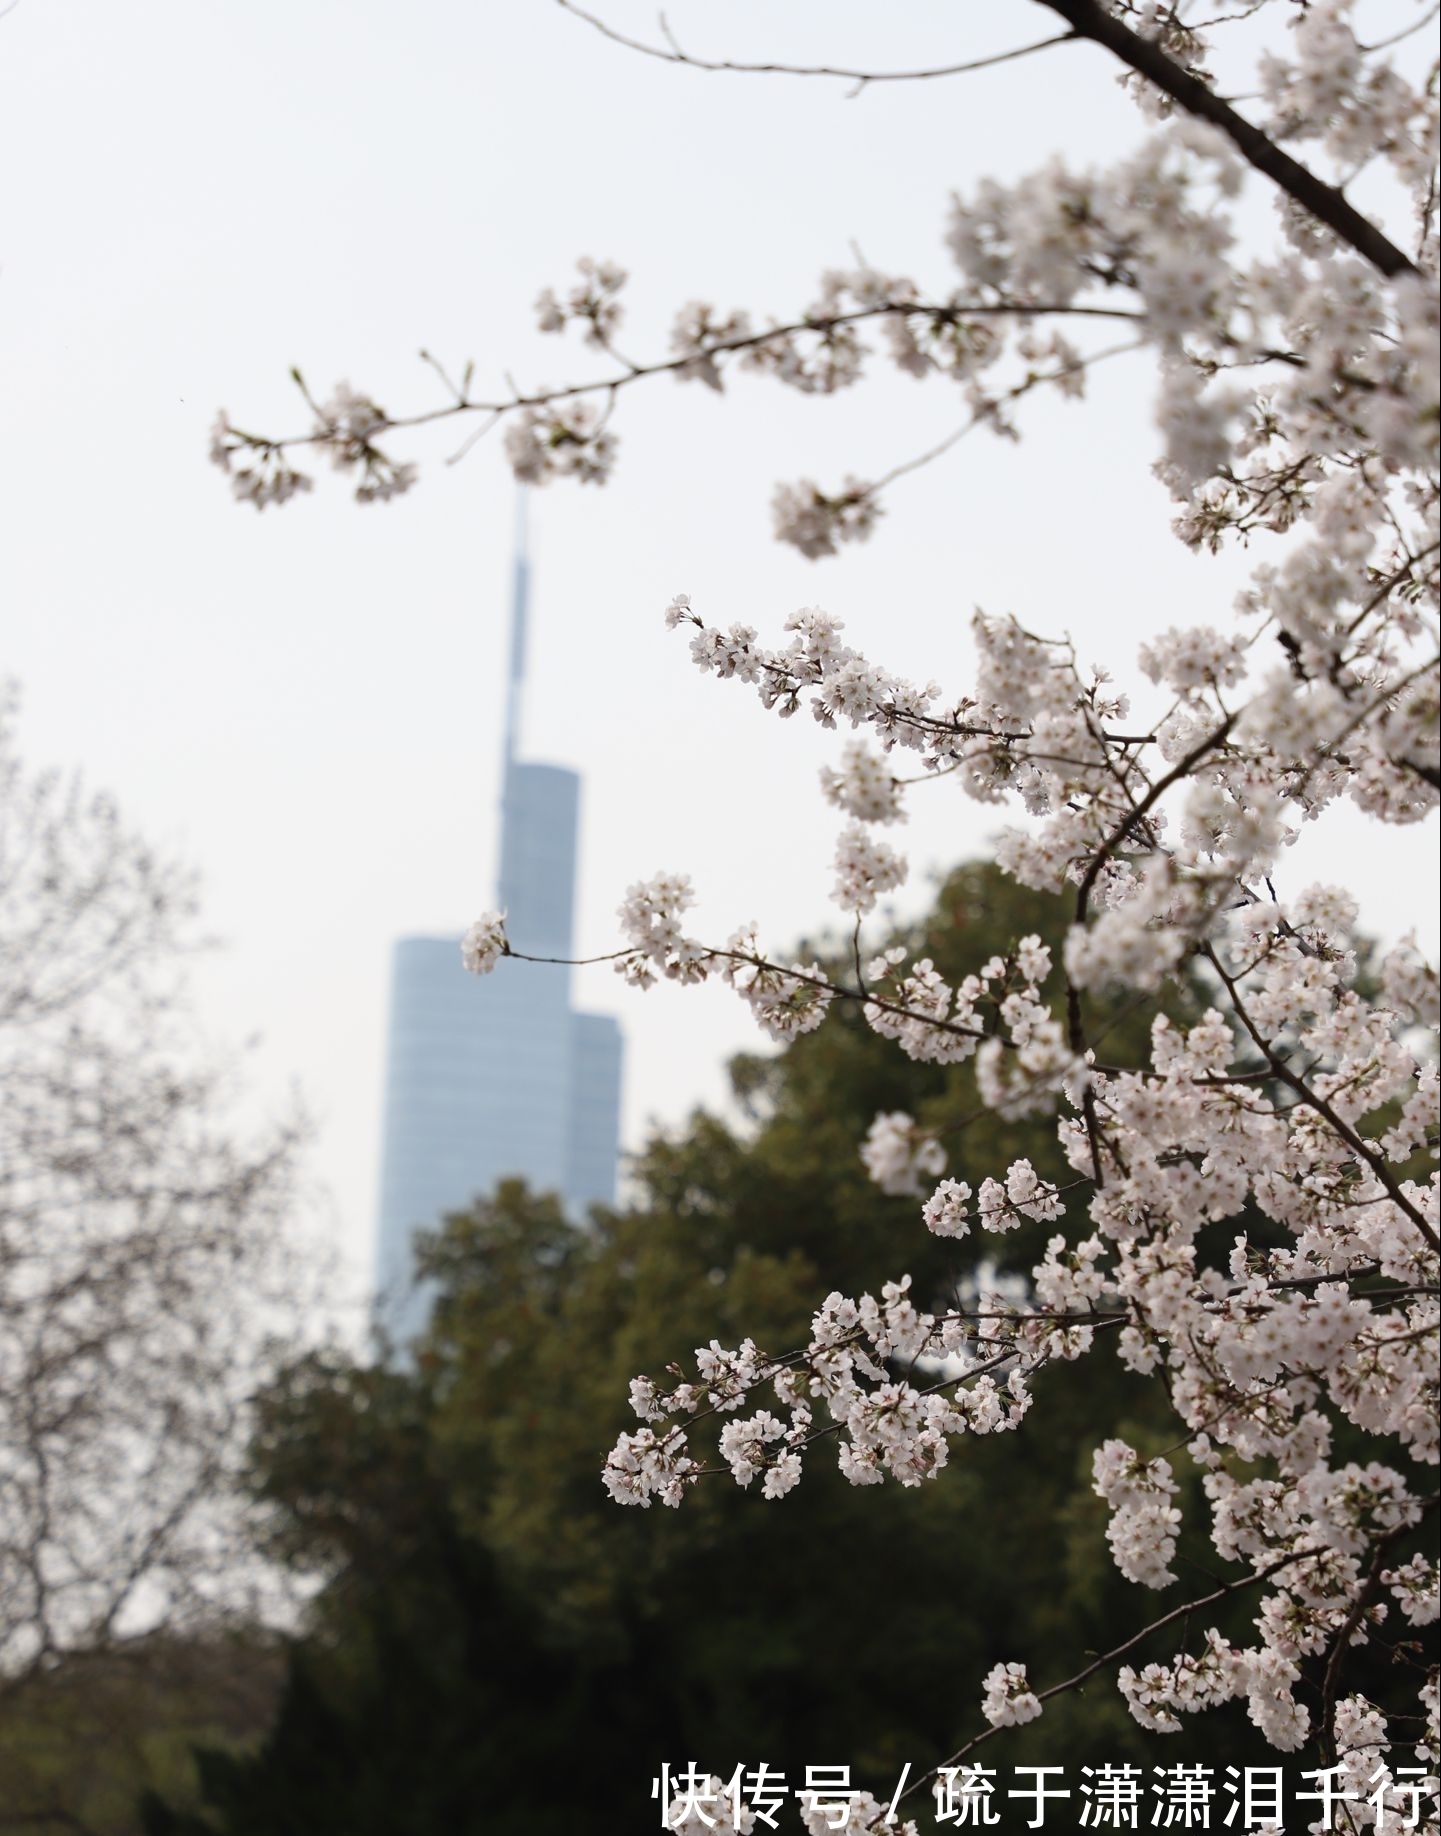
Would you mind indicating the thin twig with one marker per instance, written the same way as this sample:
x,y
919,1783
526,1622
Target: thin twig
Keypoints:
x,y
671,53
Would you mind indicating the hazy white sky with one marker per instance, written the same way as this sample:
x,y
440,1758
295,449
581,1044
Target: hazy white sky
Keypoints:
x,y
307,703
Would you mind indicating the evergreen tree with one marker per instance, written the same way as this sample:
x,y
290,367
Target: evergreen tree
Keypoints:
x,y
496,1647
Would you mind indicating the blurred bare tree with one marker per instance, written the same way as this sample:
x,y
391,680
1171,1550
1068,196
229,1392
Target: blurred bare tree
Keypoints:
x,y
144,1253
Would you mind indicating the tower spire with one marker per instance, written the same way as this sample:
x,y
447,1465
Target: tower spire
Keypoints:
x,y
519,609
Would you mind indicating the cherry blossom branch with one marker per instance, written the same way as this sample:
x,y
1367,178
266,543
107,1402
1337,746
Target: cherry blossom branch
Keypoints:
x,y
798,1360
1180,770
1083,1675
1088,19
824,325
1076,1038
1401,577
1369,1593
1075,1025
836,990
1313,1100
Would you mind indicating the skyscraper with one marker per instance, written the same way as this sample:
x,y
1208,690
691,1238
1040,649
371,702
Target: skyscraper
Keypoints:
x,y
498,1076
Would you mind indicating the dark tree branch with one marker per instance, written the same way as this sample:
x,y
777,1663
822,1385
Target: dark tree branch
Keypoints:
x,y
1369,1594
1087,19
1359,1146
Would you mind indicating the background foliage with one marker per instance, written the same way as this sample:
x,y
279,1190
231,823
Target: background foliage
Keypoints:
x,y
493,1636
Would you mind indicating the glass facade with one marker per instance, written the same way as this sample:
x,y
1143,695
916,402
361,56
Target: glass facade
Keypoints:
x,y
489,1077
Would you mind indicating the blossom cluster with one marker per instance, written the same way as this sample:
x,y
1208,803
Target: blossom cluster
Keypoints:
x,y
593,302
1295,1106
484,943
883,1426
1172,861
560,440
346,426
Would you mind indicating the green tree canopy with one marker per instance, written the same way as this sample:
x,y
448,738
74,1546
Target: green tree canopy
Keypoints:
x,y
496,1646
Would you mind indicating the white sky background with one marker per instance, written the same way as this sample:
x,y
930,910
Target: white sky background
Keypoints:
x,y
307,703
